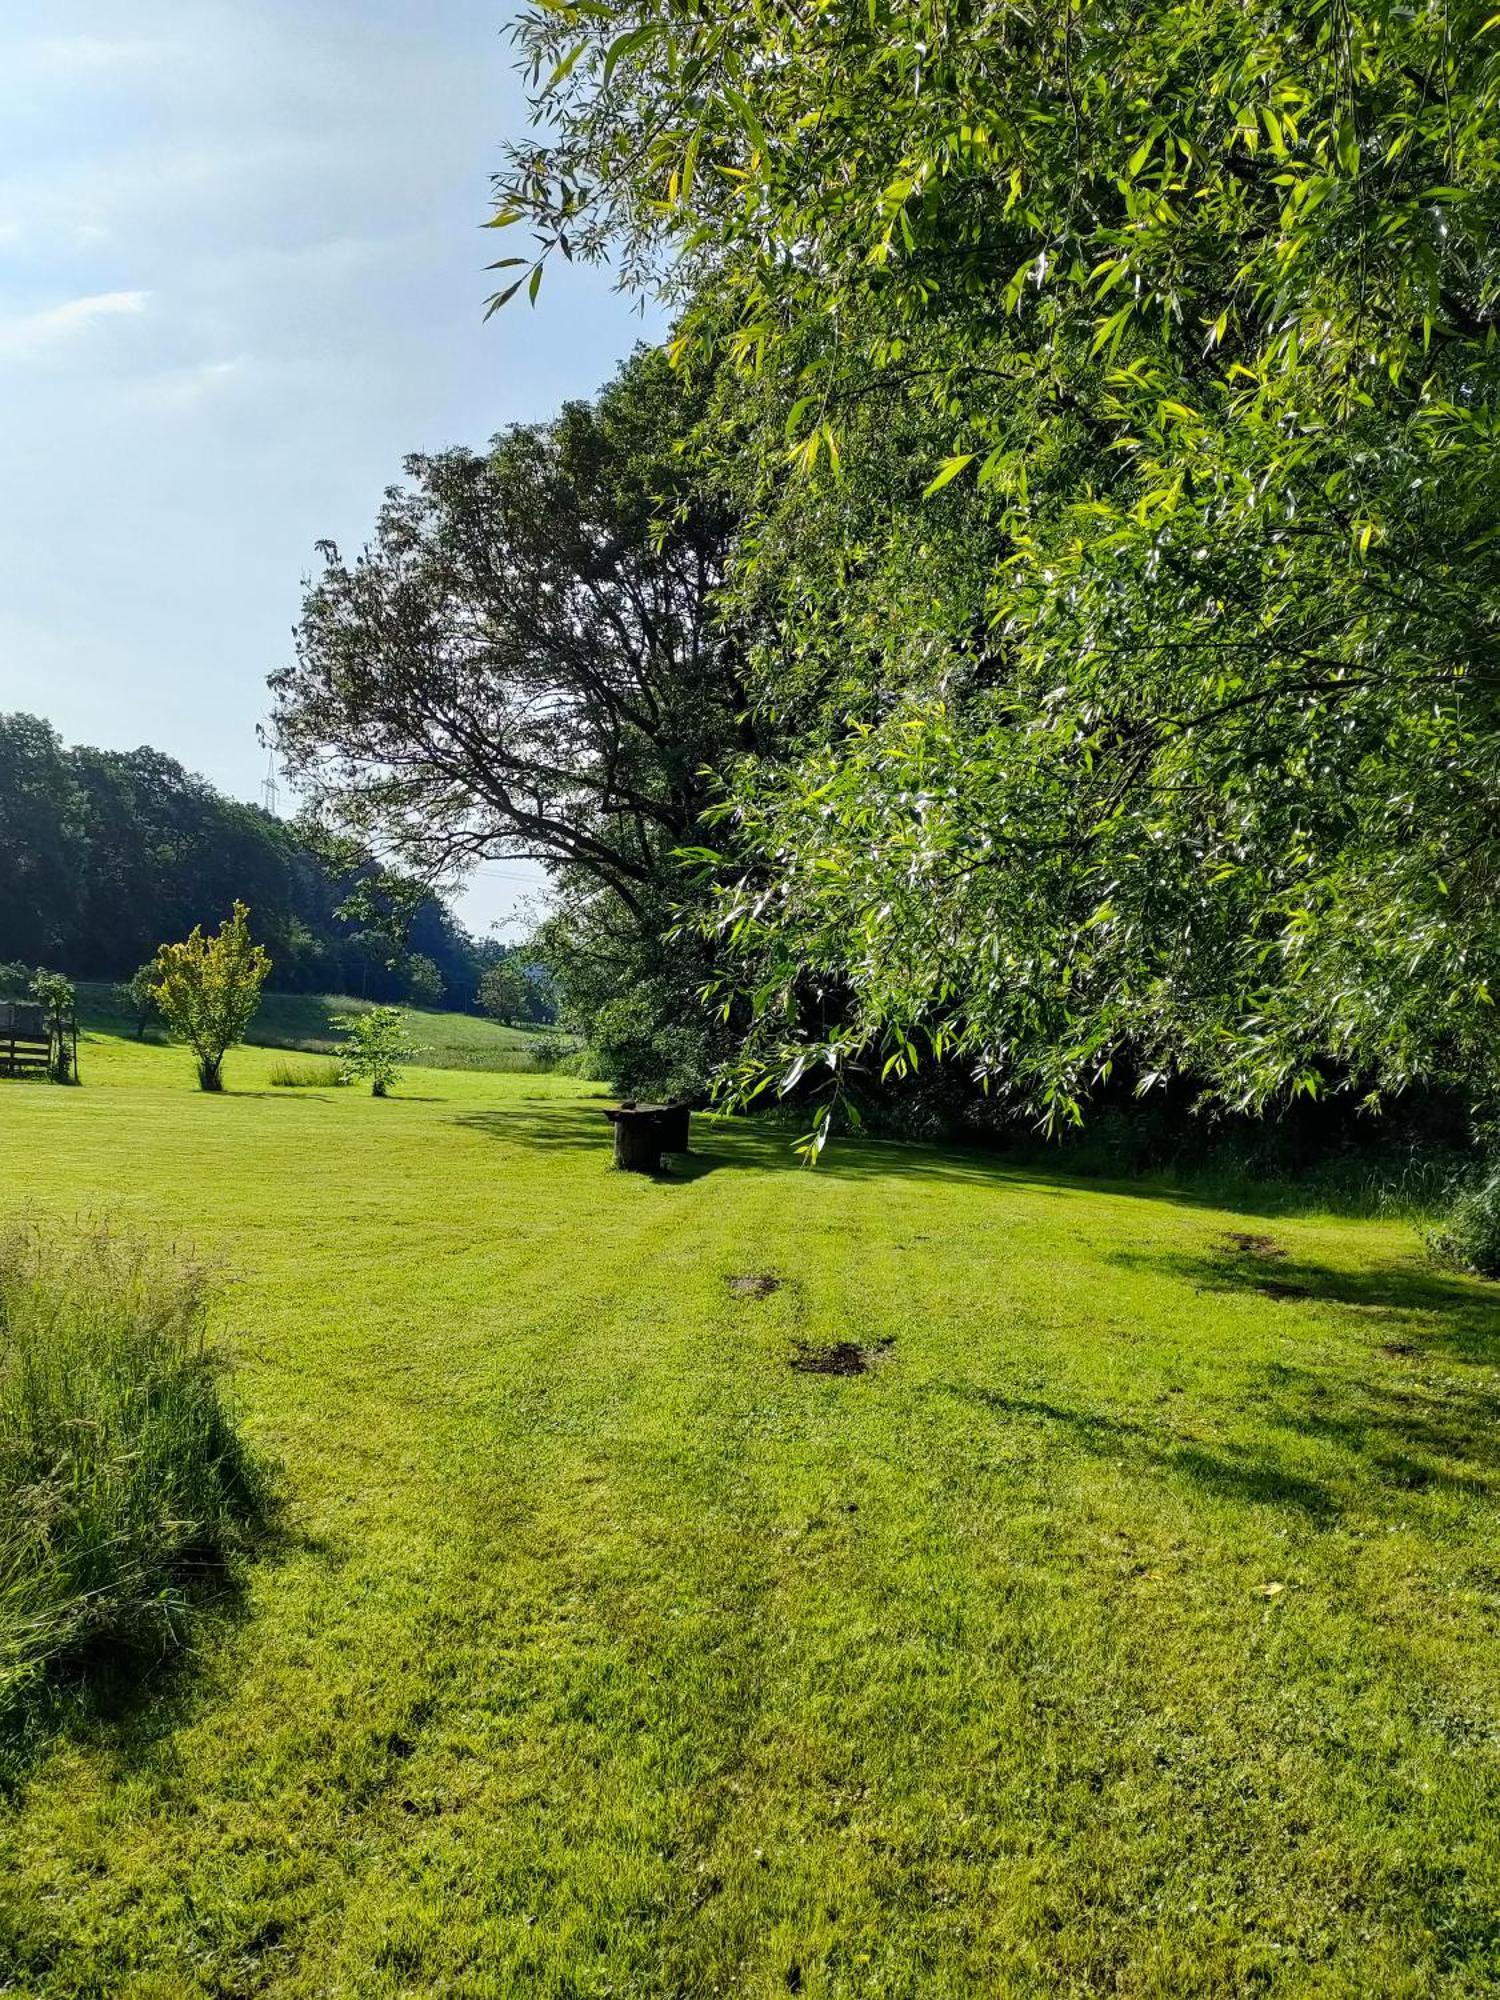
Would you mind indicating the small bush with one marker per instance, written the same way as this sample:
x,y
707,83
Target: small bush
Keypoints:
x,y
136,1000
207,990
121,1474
635,1048
375,1050
58,999
310,1075
547,1051
1471,1234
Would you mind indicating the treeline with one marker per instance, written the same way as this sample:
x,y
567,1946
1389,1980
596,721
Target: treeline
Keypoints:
x,y
105,854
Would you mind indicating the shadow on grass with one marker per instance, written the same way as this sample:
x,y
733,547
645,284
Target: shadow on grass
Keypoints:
x,y
1407,1432
1391,1400
122,1694
1233,1471
1387,1416
1410,1303
279,1094
583,1129
746,1143
119,1699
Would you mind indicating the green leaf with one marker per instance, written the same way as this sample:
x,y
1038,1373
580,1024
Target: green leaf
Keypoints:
x,y
565,68
949,471
625,45
748,119
1109,331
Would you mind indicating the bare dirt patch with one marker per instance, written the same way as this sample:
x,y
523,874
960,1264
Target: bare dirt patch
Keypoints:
x,y
844,1357
759,1285
1242,1243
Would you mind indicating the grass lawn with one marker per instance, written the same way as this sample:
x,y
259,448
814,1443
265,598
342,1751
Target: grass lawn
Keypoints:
x,y
1129,1627
316,1023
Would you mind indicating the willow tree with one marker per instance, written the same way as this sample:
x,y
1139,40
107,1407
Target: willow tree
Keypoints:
x,y
1178,734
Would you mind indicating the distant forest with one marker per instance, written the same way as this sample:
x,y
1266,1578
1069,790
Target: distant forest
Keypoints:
x,y
105,854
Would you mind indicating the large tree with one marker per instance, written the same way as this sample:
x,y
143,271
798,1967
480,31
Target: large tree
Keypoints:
x,y
525,661
1174,726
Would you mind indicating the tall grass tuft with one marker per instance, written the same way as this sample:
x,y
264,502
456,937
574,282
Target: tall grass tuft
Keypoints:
x,y
122,1479
312,1073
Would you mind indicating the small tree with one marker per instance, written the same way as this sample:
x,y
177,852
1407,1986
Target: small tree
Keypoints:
x,y
375,1049
208,989
137,997
514,990
424,982
59,1001
502,991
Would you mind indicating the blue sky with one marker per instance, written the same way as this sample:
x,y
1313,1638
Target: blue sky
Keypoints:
x,y
241,275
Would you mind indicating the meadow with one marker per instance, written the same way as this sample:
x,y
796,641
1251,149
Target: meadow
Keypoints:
x,y
315,1024
1124,1620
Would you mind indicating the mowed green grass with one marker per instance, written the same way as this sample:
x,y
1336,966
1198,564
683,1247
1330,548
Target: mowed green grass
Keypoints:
x,y
318,1022
1127,1629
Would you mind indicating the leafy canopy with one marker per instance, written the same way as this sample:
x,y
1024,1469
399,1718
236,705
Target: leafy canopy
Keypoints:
x,y
1168,729
526,661
522,662
208,988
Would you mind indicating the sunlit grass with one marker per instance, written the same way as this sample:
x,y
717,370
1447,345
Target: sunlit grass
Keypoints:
x,y
315,1023
1130,1626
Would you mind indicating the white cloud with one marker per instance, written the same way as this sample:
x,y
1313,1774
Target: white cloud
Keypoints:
x,y
26,334
240,276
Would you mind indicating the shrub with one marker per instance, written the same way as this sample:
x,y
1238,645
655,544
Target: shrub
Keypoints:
x,y
121,1475
637,1050
314,1074
208,990
424,982
1471,1234
375,1050
59,1002
135,997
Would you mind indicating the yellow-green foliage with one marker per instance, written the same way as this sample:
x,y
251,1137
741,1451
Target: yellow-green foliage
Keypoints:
x,y
207,990
1130,1628
375,1050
